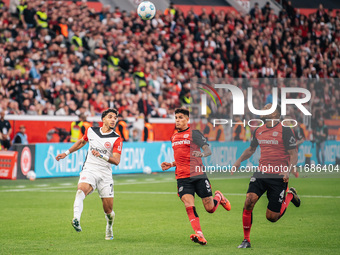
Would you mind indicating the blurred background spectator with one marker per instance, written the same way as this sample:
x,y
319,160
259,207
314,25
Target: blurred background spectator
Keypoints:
x,y
21,136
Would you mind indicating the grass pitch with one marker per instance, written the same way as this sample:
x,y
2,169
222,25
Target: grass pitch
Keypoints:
x,y
35,218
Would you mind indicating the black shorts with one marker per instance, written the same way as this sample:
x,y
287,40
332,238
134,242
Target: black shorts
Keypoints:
x,y
6,144
275,187
200,186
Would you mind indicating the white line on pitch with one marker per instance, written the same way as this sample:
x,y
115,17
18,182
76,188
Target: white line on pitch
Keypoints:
x,y
41,185
66,184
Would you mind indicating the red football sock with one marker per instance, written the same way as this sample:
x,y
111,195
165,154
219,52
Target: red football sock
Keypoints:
x,y
194,219
217,200
247,219
285,204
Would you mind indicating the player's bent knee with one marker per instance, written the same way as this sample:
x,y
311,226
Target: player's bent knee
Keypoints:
x,y
209,208
80,191
188,204
85,187
272,217
188,200
208,203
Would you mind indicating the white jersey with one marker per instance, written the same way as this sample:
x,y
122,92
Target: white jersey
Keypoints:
x,y
105,144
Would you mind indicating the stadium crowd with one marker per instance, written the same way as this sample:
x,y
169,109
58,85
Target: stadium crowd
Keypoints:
x,y
65,59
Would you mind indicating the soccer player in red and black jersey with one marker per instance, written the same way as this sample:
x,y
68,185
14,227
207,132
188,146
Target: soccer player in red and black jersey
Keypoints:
x,y
278,157
187,146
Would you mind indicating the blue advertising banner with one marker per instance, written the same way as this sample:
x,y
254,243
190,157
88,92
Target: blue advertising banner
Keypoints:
x,y
332,150
224,154
135,157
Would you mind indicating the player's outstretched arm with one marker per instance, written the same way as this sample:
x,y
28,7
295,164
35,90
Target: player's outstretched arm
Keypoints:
x,y
167,165
245,155
76,146
115,159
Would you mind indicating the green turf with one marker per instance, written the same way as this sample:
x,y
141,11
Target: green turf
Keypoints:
x,y
35,219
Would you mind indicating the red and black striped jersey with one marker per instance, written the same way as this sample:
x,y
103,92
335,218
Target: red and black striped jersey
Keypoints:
x,y
184,143
274,143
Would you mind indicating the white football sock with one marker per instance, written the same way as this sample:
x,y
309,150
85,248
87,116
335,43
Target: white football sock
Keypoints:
x,y
78,204
110,217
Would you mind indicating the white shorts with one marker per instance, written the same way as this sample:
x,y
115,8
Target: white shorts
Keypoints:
x,y
103,184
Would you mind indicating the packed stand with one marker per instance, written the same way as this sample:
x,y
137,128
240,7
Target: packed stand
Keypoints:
x,y
65,59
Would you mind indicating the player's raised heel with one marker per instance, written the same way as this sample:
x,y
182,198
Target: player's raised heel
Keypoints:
x,y
244,244
224,202
76,224
296,199
109,233
198,238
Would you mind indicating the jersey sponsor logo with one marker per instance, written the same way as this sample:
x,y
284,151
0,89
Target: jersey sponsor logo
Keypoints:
x,y
180,142
107,145
268,141
25,160
186,136
275,133
99,150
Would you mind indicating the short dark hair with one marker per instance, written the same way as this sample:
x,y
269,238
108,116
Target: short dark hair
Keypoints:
x,y
82,116
182,110
106,112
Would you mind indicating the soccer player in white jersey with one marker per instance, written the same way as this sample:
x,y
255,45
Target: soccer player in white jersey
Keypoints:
x,y
105,147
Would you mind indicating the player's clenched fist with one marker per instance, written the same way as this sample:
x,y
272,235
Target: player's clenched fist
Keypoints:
x,y
95,153
60,156
166,166
198,154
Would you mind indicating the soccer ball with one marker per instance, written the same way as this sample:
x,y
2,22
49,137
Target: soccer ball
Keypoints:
x,y
31,175
146,10
147,170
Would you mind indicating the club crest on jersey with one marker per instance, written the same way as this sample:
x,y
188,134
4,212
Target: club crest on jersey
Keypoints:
x,y
107,145
275,133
